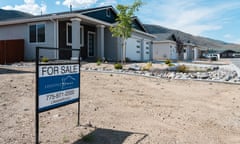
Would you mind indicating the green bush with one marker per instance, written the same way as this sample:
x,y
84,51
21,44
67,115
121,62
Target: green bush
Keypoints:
x,y
118,66
168,61
128,59
99,62
44,59
182,68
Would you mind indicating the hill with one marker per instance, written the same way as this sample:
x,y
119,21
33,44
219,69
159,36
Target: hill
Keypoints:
x,y
12,14
163,33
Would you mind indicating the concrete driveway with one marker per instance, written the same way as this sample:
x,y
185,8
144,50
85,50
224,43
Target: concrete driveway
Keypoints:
x,y
236,61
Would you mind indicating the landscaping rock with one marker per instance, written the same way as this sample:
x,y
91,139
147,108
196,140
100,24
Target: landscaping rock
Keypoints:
x,y
134,67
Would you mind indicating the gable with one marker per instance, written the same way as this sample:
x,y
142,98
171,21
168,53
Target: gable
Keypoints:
x,y
136,24
106,15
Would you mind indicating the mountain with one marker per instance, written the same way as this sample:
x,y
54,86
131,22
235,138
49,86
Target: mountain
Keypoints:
x,y
12,14
163,33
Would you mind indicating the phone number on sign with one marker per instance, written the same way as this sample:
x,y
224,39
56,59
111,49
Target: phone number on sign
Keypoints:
x,y
61,96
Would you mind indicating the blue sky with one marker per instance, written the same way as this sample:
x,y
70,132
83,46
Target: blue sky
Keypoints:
x,y
217,19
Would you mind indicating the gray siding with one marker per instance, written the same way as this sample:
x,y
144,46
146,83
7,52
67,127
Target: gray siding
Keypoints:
x,y
101,15
111,46
21,31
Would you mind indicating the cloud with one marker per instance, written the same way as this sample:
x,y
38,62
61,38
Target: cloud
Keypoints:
x,y
232,38
192,16
58,2
29,6
79,3
108,2
227,36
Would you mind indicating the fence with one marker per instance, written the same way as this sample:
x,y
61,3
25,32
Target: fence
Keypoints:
x,y
11,51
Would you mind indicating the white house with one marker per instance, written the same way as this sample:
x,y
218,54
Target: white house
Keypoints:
x,y
163,50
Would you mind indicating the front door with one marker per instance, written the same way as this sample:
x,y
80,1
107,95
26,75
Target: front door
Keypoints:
x,y
91,44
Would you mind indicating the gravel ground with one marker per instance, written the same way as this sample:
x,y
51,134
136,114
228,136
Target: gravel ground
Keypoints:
x,y
122,109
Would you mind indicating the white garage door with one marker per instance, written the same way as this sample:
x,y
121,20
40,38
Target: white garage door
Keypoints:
x,y
146,50
133,49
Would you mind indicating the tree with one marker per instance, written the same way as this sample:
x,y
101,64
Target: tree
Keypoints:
x,y
123,29
178,42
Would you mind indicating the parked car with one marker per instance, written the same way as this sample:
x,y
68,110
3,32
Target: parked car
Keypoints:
x,y
213,56
236,55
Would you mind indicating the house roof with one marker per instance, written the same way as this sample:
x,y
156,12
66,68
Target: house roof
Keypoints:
x,y
82,14
140,25
52,17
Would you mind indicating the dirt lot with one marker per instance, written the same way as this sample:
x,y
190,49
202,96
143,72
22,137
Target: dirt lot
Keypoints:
x,y
122,109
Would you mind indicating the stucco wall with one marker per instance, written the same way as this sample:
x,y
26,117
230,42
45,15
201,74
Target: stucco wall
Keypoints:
x,y
21,31
164,50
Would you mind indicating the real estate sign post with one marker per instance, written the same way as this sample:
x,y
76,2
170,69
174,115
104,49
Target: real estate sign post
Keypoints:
x,y
57,84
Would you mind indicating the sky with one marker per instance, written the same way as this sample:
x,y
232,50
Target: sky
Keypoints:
x,y
217,19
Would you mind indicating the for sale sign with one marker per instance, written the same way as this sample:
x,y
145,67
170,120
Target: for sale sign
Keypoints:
x,y
58,85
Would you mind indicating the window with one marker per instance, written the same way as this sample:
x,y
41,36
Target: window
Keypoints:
x,y
37,33
69,35
108,13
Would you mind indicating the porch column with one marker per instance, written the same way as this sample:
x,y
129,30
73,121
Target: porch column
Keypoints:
x,y
75,37
100,41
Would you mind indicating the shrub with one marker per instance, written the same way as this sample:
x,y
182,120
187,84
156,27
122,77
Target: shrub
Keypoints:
x,y
44,59
147,67
168,61
182,68
128,59
118,66
171,64
99,62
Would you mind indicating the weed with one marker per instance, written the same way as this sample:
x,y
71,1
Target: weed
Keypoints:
x,y
44,59
65,140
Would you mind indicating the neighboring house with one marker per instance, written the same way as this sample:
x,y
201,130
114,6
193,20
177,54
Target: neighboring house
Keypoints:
x,y
167,49
163,50
190,51
228,54
86,29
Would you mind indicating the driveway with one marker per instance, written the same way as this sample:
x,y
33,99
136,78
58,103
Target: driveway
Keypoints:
x,y
236,61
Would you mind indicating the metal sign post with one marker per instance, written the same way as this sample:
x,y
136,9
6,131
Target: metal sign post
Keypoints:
x,y
57,85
